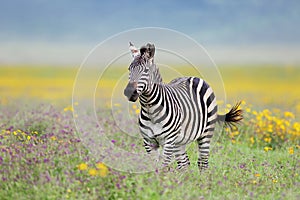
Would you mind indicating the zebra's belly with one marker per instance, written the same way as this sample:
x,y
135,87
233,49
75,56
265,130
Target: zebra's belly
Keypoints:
x,y
189,132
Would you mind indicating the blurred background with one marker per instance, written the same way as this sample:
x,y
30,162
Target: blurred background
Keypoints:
x,y
254,43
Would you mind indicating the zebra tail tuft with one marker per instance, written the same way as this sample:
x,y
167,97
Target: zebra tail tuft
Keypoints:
x,y
235,115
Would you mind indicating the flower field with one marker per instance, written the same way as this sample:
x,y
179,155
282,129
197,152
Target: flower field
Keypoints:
x,y
43,156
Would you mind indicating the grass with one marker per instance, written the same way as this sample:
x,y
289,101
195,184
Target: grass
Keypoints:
x,y
44,156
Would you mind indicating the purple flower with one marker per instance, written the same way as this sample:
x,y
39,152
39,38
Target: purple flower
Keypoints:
x,y
113,141
242,166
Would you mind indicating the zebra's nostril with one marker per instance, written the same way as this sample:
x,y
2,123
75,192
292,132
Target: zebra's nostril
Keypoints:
x,y
130,91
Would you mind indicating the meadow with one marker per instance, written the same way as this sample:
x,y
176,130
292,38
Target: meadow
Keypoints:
x,y
43,156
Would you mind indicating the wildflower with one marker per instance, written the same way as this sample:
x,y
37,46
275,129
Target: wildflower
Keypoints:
x,y
252,140
274,181
296,126
69,190
82,166
92,172
68,108
267,149
270,128
267,139
291,150
134,106
103,170
34,132
137,111
257,175
28,137
228,105
53,138
289,115
100,165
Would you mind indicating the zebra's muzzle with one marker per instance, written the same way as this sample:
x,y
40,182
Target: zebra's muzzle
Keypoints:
x,y
130,91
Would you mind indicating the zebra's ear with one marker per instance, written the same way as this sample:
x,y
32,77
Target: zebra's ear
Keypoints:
x,y
148,51
134,51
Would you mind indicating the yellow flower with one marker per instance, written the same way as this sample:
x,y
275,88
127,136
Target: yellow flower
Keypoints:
x,y
267,139
100,165
289,115
93,172
257,175
270,128
134,106
103,170
53,138
267,149
68,108
274,181
252,140
296,126
82,166
291,150
34,132
28,137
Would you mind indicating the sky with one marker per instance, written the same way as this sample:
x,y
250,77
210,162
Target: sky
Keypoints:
x,y
64,31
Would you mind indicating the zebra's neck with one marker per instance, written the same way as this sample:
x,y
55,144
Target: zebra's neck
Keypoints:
x,y
155,77
150,96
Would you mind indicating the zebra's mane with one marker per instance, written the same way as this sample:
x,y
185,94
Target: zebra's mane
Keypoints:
x,y
155,76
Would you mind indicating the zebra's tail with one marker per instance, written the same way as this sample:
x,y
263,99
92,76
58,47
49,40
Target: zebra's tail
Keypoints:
x,y
235,115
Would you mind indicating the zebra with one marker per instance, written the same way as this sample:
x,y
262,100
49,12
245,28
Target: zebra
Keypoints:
x,y
173,114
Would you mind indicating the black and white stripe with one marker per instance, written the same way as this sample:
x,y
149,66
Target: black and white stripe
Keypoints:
x,y
174,114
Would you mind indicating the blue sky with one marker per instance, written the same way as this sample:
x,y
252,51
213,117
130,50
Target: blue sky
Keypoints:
x,y
35,28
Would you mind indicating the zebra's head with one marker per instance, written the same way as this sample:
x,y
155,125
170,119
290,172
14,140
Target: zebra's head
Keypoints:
x,y
139,71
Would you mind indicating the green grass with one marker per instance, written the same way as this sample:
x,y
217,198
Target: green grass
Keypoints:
x,y
47,168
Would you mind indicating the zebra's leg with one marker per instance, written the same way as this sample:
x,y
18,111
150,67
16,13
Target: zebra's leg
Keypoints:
x,y
168,148
203,148
150,144
181,156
